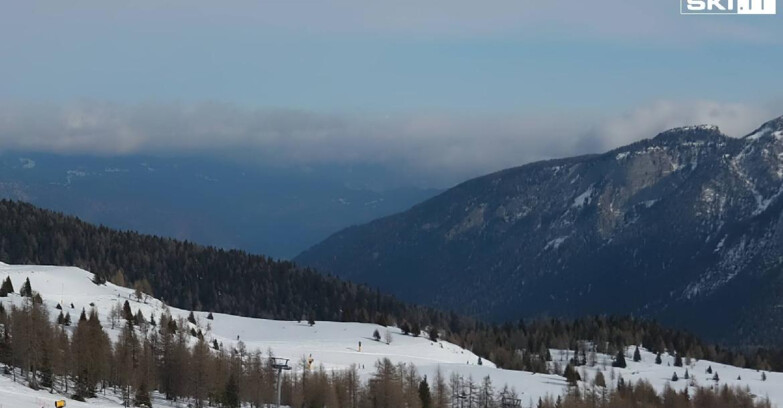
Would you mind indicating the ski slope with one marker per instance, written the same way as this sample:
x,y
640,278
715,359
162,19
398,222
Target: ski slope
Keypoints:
x,y
334,345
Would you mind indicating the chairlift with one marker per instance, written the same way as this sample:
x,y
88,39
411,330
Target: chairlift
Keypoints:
x,y
280,364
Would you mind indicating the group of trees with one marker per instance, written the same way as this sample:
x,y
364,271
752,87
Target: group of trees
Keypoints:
x,y
525,344
81,361
195,277
46,353
643,395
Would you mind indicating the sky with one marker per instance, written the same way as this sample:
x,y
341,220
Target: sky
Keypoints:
x,y
434,90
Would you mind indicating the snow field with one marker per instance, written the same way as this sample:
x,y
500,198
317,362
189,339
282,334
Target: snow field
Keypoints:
x,y
334,346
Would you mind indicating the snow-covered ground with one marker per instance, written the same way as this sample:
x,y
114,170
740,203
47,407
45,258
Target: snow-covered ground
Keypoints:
x,y
335,345
15,395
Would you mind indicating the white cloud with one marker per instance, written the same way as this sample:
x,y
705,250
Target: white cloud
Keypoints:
x,y
433,148
734,119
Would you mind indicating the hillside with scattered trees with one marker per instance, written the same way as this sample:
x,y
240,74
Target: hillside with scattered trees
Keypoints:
x,y
190,276
167,356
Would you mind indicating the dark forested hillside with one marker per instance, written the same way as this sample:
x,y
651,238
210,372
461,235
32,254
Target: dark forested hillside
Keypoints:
x,y
184,274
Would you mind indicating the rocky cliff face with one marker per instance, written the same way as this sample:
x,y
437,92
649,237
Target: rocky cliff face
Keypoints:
x,y
686,227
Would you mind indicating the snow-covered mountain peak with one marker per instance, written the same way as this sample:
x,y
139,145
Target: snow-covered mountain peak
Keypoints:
x,y
772,128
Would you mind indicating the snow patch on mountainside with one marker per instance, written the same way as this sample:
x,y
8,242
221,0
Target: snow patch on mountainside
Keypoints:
x,y
555,243
585,198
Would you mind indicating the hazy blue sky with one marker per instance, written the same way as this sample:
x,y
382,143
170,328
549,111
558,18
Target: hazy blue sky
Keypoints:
x,y
449,88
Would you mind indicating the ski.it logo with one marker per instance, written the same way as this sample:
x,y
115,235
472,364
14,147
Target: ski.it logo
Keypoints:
x,y
728,7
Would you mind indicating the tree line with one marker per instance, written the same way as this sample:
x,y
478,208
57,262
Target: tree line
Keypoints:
x,y
642,395
195,277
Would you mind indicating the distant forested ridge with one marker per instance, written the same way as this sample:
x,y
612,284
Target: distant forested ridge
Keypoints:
x,y
190,276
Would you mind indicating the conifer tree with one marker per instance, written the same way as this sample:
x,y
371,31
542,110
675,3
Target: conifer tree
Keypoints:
x,y
424,394
637,356
126,358
171,325
98,279
142,397
231,393
7,287
376,335
27,290
47,378
674,377
127,313
200,372
678,360
90,346
138,319
6,346
619,360
415,329
571,375
434,334
658,358
61,356
599,379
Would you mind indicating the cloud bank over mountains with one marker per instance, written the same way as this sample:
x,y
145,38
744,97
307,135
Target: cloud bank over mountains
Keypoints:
x,y
434,149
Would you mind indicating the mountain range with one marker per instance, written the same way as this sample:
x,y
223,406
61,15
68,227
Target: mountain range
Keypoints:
x,y
686,227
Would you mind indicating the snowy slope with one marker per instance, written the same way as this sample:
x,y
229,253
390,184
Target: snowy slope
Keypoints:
x,y
15,395
660,375
333,345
